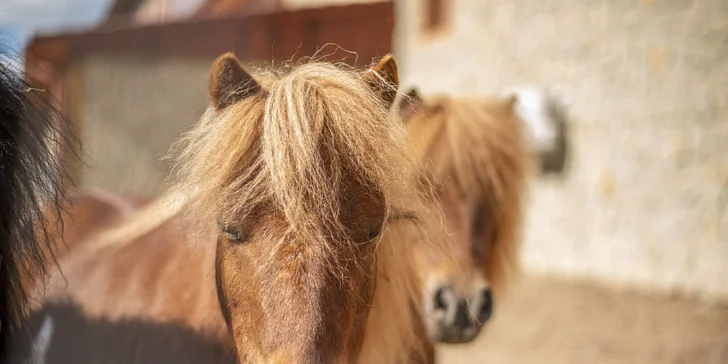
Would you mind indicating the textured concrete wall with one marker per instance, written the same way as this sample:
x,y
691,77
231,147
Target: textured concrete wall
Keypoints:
x,y
643,201
133,109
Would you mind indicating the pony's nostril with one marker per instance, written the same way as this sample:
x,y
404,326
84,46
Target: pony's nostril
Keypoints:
x,y
486,306
462,318
440,299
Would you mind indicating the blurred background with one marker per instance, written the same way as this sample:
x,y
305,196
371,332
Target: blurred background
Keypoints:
x,y
626,242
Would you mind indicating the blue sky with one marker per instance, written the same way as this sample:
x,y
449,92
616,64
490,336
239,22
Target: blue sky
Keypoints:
x,y
20,19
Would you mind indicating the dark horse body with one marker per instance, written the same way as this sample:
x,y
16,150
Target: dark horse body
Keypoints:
x,y
31,182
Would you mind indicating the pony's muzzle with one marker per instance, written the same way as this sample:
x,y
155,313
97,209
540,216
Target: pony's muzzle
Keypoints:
x,y
460,321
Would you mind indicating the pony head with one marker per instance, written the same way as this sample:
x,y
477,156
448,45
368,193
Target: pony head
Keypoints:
x,y
479,155
313,191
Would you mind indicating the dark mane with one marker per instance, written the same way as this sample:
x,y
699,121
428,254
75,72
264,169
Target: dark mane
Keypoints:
x,y
32,135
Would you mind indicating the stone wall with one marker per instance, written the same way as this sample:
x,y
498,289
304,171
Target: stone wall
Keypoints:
x,y
643,200
133,109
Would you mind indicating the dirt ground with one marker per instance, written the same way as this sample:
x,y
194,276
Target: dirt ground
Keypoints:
x,y
545,321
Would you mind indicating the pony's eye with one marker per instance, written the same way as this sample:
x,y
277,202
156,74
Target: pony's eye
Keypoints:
x,y
229,234
373,235
233,236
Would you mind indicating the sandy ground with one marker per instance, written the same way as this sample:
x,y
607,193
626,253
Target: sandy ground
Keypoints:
x,y
550,322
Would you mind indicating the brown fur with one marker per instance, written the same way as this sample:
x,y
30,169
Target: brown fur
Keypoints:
x,y
89,212
299,174
84,214
479,154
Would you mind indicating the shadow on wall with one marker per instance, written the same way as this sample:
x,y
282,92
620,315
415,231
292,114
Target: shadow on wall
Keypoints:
x,y
80,340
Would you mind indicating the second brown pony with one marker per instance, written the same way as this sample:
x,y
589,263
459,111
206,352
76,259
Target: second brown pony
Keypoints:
x,y
478,150
298,199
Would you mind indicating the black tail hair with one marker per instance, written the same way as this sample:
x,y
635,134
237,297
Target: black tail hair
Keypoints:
x,y
33,139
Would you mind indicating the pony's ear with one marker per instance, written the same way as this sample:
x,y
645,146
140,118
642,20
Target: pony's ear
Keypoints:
x,y
383,79
409,105
229,83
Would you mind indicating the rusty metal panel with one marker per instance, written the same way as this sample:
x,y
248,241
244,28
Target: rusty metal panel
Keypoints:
x,y
289,35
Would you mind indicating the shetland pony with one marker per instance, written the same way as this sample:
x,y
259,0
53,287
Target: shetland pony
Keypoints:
x,y
481,151
287,235
31,188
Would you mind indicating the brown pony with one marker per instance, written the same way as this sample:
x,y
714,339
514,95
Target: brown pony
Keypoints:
x,y
287,235
479,153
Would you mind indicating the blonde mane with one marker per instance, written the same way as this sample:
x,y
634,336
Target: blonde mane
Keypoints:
x,y
477,147
289,149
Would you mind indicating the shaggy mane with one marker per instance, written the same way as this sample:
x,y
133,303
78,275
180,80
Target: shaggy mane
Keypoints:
x,y
477,146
